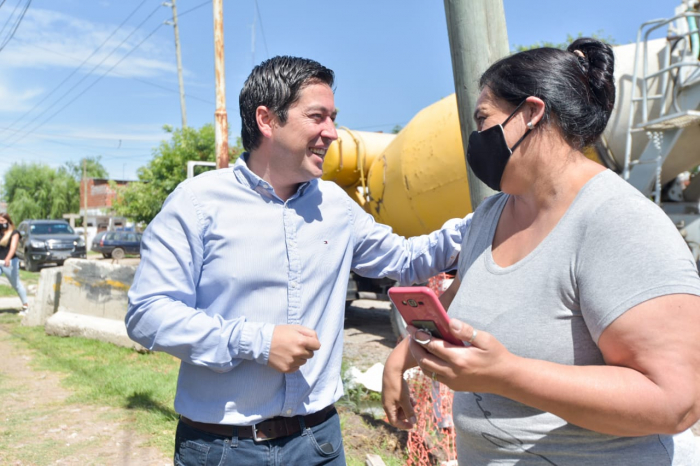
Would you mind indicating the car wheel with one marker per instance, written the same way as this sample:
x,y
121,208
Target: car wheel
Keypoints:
x,y
118,253
106,255
29,264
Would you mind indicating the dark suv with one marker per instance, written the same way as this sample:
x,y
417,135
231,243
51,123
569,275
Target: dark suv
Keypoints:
x,y
43,241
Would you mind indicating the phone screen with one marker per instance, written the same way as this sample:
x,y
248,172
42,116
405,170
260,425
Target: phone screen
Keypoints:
x,y
427,326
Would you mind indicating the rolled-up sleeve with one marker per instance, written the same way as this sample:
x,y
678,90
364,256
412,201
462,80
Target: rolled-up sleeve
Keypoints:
x,y
162,313
379,252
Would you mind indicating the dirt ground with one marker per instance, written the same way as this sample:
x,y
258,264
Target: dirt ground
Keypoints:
x,y
37,421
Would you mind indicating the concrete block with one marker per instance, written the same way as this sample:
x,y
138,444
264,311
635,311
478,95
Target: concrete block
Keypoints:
x,y
96,288
68,324
93,302
47,297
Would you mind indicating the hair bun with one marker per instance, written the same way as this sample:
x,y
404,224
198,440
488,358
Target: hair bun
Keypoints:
x,y
598,62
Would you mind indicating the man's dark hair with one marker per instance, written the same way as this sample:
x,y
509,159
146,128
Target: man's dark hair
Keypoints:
x,y
276,84
577,86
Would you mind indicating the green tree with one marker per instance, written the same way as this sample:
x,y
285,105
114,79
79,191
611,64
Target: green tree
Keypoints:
x,y
93,168
396,129
599,35
142,200
35,190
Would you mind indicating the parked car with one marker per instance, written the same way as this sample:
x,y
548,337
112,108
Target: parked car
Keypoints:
x,y
117,243
44,241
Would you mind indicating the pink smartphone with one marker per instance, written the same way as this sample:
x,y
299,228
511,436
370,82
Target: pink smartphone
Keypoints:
x,y
420,307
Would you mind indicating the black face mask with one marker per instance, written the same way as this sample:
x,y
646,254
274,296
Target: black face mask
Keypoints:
x,y
4,226
488,152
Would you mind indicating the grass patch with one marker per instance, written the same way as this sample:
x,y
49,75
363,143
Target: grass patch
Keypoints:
x,y
102,374
7,291
29,278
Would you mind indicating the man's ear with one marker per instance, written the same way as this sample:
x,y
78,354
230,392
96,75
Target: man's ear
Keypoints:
x,y
265,118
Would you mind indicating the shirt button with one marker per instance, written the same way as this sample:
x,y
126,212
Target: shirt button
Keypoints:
x,y
294,284
289,411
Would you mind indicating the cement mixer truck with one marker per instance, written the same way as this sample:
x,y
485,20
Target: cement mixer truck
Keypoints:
x,y
414,181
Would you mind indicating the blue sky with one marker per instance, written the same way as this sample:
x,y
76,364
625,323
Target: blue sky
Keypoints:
x,y
391,59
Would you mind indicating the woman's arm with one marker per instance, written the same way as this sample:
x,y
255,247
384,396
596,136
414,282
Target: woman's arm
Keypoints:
x,y
14,241
449,294
395,395
650,385
396,398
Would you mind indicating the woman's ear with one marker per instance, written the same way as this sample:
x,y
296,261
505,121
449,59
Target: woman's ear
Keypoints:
x,y
265,119
534,113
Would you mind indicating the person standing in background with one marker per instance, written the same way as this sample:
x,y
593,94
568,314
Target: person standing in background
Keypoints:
x,y
9,263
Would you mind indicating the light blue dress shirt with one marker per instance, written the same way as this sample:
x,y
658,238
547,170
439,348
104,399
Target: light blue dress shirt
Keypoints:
x,y
226,260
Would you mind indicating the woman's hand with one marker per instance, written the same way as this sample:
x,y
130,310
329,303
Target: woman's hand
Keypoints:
x,y
396,398
481,367
7,262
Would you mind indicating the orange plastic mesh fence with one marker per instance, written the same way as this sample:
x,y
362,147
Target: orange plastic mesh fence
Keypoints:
x,y
432,440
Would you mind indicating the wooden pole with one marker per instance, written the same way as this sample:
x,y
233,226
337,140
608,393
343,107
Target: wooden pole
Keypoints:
x,y
478,37
221,133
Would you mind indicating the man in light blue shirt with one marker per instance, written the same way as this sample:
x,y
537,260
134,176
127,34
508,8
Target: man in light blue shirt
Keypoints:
x,y
244,274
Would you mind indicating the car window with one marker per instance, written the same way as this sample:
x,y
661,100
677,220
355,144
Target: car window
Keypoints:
x,y
131,238
51,228
110,236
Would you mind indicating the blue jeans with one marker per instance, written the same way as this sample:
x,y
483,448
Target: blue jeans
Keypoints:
x,y
195,447
12,274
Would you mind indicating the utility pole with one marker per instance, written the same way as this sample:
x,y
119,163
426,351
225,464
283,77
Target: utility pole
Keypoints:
x,y
183,109
220,114
85,186
478,37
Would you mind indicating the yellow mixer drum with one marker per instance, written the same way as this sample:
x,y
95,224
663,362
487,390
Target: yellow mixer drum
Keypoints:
x,y
420,180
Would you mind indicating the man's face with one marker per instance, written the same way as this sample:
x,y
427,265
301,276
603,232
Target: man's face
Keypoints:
x,y
300,144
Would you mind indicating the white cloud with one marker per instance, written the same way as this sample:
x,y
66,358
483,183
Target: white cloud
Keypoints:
x,y
14,101
67,36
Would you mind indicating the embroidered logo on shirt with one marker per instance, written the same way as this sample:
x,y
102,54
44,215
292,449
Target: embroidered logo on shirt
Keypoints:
x,y
325,242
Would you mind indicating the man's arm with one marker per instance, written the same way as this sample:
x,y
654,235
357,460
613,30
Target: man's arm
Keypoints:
x,y
378,252
162,314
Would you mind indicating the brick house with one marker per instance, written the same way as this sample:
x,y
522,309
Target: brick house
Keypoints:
x,y
99,199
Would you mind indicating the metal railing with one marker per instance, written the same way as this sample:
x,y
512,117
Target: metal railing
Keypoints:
x,y
668,103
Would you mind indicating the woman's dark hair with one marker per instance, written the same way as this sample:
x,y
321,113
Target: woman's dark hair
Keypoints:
x,y
7,217
276,84
576,85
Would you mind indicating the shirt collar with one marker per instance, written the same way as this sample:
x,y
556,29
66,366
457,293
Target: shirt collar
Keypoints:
x,y
246,176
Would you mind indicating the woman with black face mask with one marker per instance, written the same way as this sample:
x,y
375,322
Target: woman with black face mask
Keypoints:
x,y
9,263
577,296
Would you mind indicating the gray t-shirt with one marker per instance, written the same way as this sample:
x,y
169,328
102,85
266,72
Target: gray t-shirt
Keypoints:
x,y
612,250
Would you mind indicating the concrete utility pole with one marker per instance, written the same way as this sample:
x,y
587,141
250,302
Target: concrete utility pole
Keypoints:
x,y
478,37
179,62
220,114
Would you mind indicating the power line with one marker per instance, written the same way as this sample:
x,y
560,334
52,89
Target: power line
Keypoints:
x,y
9,18
90,72
99,78
84,90
12,34
150,83
79,66
262,30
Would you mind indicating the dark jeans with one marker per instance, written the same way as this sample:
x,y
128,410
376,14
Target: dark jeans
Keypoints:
x,y
195,447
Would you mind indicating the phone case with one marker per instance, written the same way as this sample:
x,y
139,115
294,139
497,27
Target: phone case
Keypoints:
x,y
420,307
